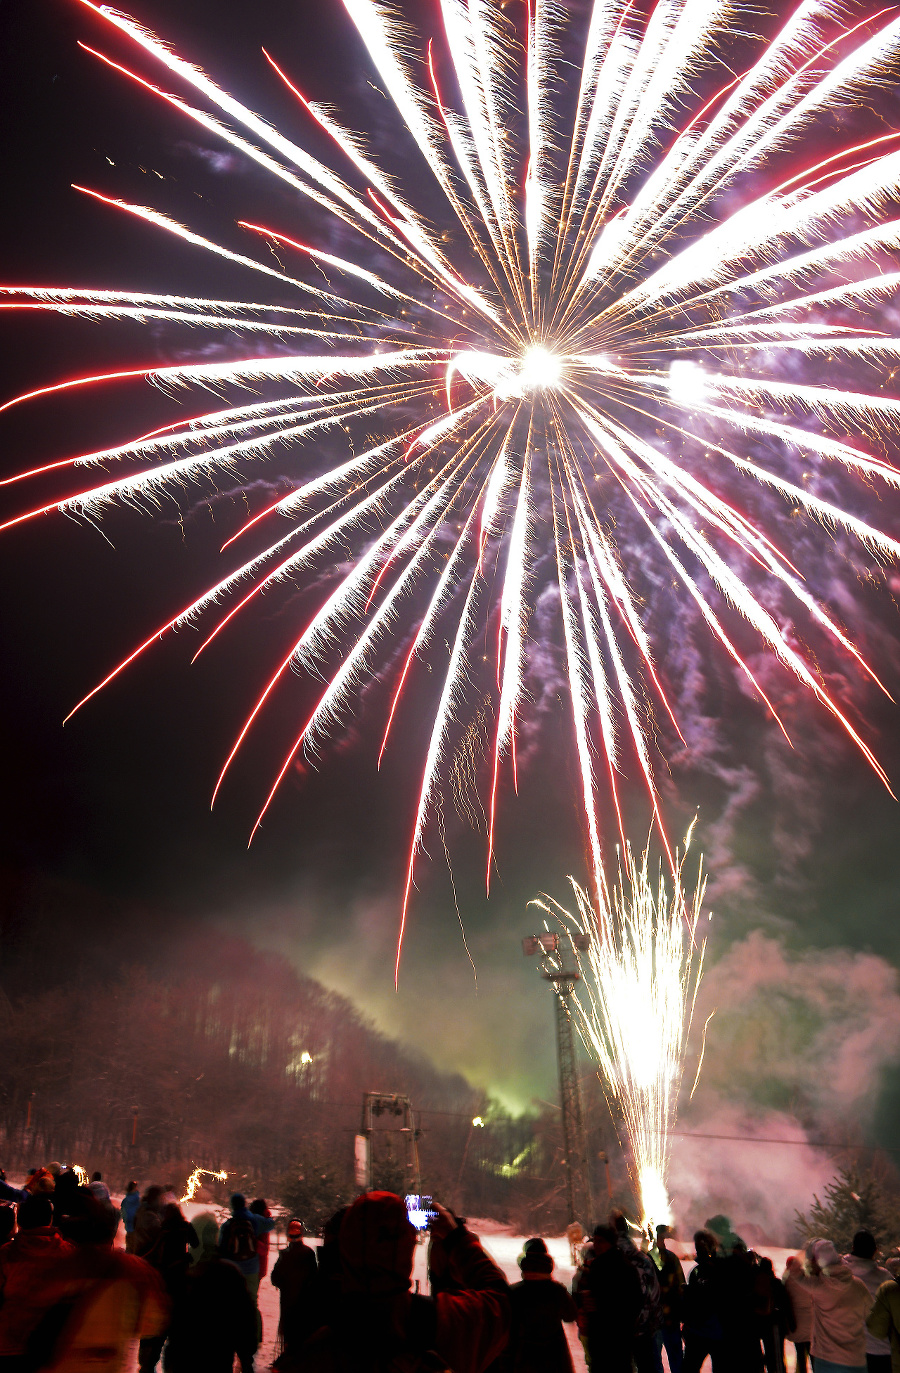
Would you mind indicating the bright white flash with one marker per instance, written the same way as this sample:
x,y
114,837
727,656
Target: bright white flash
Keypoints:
x,y
687,384
509,377
540,370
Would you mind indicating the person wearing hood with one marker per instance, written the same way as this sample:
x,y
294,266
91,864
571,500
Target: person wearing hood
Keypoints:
x,y
841,1303
539,1306
861,1262
378,1324
215,1318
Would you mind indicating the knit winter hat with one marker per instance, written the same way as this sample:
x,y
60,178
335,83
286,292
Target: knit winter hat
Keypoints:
x,y
535,1258
377,1244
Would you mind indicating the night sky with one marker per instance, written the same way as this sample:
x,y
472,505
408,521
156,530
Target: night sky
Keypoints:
x,y
106,830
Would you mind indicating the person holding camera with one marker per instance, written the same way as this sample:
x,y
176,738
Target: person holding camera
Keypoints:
x,y
377,1323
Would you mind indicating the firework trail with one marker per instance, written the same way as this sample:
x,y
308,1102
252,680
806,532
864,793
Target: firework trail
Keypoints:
x,y
193,1181
643,277
640,973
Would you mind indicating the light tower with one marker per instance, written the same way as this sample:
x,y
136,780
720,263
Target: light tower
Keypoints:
x,y
553,968
394,1107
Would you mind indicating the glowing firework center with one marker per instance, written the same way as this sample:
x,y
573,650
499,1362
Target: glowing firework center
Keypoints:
x,y
534,371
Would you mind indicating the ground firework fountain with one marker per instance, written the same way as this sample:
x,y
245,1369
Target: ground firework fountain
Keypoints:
x,y
641,964
582,388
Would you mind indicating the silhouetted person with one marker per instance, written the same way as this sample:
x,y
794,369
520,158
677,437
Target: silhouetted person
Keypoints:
x,y
775,1315
296,1275
148,1246
538,1306
671,1287
645,1349
739,1308
702,1304
329,1285
802,1307
128,1208
177,1237
616,1300
69,1202
862,1264
215,1317
380,1325
581,1293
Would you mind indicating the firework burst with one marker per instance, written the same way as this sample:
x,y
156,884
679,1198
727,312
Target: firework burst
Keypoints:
x,y
640,973
622,330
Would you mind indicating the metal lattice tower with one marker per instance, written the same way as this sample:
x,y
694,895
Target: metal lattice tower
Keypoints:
x,y
579,1194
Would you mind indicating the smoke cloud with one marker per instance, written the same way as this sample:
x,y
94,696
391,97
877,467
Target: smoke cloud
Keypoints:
x,y
796,1052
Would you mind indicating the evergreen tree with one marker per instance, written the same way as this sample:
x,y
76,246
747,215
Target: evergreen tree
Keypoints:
x,y
856,1200
316,1187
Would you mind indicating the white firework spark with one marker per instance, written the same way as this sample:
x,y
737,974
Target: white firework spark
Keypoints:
x,y
640,973
628,287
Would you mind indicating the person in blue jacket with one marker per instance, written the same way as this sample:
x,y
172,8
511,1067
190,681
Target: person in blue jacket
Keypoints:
x,y
237,1242
238,1236
129,1209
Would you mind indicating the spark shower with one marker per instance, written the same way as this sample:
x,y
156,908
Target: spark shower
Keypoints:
x,y
649,299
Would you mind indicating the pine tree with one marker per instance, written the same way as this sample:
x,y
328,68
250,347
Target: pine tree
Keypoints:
x,y
854,1201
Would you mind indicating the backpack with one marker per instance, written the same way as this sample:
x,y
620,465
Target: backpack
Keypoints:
x,y
240,1241
650,1318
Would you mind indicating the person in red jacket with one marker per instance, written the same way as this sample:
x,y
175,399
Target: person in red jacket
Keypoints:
x,y
28,1263
106,1299
378,1324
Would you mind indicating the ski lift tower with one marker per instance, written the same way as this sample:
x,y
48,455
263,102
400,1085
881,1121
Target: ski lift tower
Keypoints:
x,y
551,950
394,1108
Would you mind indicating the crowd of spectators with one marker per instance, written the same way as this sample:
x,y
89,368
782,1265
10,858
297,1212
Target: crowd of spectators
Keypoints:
x,y
186,1290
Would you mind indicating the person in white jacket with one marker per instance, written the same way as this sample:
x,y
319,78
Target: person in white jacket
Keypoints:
x,y
841,1303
